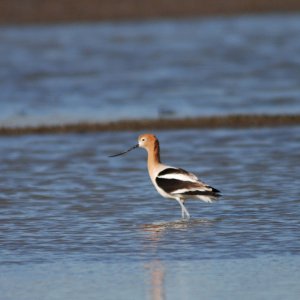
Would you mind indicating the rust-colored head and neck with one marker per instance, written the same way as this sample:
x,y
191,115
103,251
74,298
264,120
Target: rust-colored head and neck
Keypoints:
x,y
151,144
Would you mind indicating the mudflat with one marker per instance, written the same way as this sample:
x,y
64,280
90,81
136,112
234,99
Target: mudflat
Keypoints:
x,y
32,11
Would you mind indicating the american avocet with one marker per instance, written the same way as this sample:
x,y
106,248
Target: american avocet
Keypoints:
x,y
170,182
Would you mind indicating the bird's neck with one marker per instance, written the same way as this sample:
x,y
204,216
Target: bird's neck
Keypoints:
x,y
153,157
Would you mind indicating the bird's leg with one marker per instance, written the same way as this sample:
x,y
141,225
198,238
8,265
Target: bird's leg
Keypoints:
x,y
183,209
186,211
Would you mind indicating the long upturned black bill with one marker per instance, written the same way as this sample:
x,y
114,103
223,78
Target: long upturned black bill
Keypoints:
x,y
136,146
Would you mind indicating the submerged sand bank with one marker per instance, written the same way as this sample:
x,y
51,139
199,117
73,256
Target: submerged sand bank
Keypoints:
x,y
233,121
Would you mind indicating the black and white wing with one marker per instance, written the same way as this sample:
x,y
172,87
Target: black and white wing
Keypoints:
x,y
178,182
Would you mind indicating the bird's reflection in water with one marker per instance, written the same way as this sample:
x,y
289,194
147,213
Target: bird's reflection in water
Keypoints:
x,y
180,224
157,269
157,279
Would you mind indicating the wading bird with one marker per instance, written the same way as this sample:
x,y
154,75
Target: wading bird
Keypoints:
x,y
171,182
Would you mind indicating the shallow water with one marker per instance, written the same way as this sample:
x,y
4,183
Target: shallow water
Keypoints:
x,y
103,71
62,197
260,278
71,216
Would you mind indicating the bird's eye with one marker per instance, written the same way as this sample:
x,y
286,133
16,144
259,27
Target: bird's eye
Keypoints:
x,y
143,139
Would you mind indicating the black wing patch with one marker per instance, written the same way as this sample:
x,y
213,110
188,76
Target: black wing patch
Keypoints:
x,y
172,185
203,193
172,171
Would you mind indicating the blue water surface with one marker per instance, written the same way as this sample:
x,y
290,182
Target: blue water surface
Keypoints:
x,y
147,69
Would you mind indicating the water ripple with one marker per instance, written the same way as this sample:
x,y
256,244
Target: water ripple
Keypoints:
x,y
62,197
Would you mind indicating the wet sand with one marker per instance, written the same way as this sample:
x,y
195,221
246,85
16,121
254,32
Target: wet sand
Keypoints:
x,y
233,121
32,11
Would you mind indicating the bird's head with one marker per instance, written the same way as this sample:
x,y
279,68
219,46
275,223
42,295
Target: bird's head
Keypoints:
x,y
146,141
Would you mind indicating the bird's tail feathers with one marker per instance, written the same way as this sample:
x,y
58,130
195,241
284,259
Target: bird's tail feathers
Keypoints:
x,y
207,198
